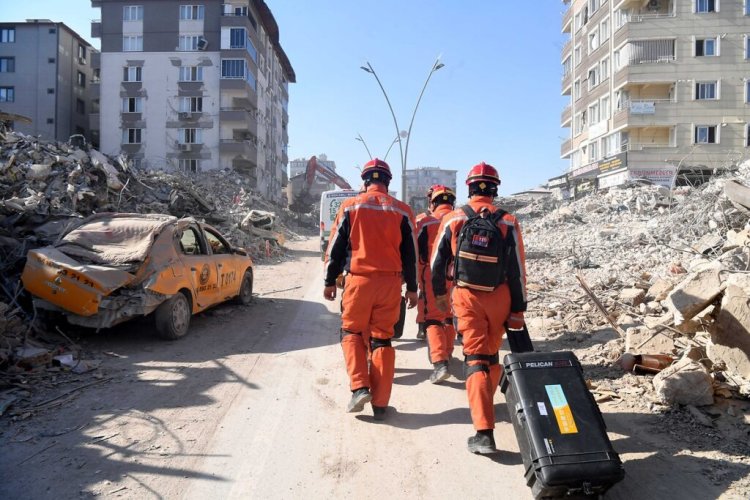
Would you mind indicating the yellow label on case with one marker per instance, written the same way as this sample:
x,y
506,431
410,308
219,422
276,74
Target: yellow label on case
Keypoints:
x,y
560,405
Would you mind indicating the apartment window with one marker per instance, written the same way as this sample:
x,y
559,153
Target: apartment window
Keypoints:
x,y
191,104
7,64
618,60
189,42
621,18
190,166
132,13
132,104
251,50
594,150
593,77
233,68
50,121
50,91
578,20
593,6
80,107
131,136
577,89
51,60
577,54
747,44
594,116
577,124
7,94
191,12
567,67
7,35
706,90
132,74
604,30
81,79
747,7
237,38
747,91
706,6
191,73
593,40
191,135
604,69
132,43
706,47
605,108
81,54
705,134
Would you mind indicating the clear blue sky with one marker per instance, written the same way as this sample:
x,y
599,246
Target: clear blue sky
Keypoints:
x,y
496,100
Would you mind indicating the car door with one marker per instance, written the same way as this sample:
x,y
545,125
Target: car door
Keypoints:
x,y
201,265
227,263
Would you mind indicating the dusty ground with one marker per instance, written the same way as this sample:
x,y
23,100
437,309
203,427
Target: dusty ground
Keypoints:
x,y
251,405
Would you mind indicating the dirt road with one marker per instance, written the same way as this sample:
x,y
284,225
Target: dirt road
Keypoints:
x,y
252,405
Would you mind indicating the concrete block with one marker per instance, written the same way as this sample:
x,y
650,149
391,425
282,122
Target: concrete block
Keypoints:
x,y
730,334
694,293
632,296
637,341
686,382
659,290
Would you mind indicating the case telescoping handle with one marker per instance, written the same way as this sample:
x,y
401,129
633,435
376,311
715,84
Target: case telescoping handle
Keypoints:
x,y
519,340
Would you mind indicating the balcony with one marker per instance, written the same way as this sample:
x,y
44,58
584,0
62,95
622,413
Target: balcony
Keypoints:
x,y
566,116
94,89
566,149
567,46
240,115
248,97
647,113
96,59
567,20
96,28
567,83
243,149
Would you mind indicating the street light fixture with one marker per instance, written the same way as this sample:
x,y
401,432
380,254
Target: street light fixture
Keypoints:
x,y
360,139
399,133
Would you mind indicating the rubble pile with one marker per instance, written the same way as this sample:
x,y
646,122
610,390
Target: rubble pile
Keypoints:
x,y
644,270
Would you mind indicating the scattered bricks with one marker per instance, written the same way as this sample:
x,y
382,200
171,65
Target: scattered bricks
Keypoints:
x,y
32,357
686,382
694,293
730,334
641,339
659,290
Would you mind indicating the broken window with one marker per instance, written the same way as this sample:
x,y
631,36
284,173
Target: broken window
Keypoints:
x,y
705,134
190,242
217,246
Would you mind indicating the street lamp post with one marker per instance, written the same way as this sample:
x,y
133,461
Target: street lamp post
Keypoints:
x,y
407,134
360,139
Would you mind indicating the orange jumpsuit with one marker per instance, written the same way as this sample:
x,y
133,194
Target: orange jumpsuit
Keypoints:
x,y
420,299
440,331
373,240
481,315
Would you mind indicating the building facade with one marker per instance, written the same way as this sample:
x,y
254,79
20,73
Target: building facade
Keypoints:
x,y
45,76
656,87
195,87
419,180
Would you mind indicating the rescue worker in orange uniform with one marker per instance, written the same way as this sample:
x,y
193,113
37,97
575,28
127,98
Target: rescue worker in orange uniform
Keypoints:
x,y
373,241
439,323
483,311
421,327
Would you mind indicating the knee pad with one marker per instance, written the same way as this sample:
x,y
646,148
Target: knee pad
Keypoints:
x,y
343,333
377,343
491,359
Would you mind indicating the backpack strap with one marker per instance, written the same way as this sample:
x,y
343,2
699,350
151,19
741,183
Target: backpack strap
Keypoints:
x,y
468,211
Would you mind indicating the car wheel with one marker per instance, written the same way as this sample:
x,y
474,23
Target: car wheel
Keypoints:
x,y
173,317
245,296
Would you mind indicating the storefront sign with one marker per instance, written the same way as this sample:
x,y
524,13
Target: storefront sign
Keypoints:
x,y
587,170
557,181
612,180
662,175
613,163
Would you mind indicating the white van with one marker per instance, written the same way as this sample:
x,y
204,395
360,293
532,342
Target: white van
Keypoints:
x,y
330,201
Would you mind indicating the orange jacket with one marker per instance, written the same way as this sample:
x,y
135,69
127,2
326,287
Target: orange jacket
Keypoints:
x,y
427,229
444,251
373,234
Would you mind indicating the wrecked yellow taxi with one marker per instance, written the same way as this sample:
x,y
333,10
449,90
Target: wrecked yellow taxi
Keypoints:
x,y
112,267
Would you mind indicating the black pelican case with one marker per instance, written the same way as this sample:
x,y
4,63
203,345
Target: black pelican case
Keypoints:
x,y
560,430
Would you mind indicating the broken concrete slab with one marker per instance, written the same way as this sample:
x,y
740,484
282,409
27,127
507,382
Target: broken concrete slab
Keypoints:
x,y
696,292
686,382
730,334
659,290
632,296
642,339
708,244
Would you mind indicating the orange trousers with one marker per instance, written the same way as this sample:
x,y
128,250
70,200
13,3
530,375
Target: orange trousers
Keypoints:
x,y
481,317
371,306
440,332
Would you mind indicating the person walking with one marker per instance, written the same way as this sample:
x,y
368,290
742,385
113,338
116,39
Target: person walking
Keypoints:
x,y
485,247
373,241
438,323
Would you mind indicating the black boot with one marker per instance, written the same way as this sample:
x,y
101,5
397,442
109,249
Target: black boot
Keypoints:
x,y
482,443
378,412
440,372
360,398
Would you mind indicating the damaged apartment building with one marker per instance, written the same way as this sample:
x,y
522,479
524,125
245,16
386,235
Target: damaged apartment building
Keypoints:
x,y
195,87
656,87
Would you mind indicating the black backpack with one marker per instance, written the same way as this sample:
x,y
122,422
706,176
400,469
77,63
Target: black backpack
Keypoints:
x,y
482,252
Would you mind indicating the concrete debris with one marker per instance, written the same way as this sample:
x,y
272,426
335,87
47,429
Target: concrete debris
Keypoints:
x,y
686,382
655,264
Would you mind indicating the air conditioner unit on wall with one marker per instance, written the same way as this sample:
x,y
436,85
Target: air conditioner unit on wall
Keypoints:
x,y
183,115
202,43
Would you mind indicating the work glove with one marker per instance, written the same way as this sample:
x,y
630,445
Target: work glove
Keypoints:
x,y
329,292
515,321
411,299
441,301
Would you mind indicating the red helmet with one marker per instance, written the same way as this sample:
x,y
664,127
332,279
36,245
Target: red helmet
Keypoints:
x,y
442,193
432,189
483,172
376,168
